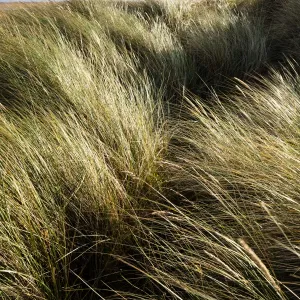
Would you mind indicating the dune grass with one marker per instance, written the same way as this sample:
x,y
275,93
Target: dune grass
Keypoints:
x,y
150,151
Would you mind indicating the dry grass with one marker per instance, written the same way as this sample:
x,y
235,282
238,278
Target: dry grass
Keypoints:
x,y
16,5
149,151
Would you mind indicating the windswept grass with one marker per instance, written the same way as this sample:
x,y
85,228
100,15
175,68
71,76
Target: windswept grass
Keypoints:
x,y
150,151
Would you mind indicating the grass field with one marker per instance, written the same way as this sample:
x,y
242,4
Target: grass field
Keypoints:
x,y
17,5
150,151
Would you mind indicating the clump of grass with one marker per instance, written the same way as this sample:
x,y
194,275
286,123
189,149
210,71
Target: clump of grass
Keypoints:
x,y
167,41
68,122
239,166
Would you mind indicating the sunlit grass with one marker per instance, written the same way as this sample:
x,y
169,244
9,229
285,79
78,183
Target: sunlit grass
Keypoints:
x,y
149,151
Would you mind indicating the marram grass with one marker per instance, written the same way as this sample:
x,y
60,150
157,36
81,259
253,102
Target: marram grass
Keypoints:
x,y
150,151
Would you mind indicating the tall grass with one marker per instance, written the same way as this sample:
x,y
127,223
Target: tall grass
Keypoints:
x,y
149,151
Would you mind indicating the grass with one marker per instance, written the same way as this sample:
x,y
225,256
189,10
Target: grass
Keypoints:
x,y
150,151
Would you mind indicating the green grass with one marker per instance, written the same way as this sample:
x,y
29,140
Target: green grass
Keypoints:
x,y
150,151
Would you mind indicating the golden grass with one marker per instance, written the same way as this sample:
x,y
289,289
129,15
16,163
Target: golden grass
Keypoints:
x,y
149,151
